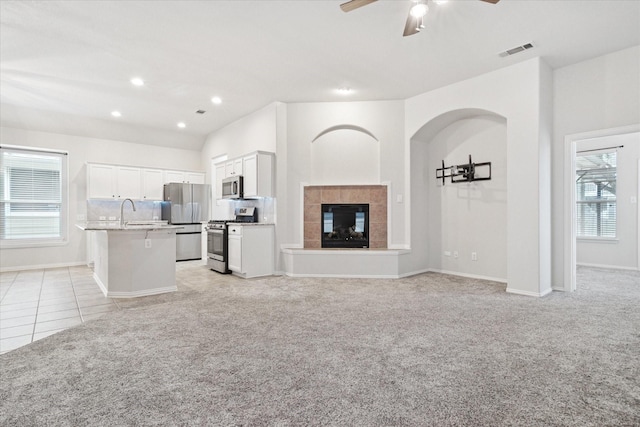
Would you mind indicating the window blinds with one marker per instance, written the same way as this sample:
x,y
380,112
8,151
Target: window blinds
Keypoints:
x,y
596,181
31,186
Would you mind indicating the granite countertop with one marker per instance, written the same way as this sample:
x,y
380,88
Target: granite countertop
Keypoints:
x,y
251,224
129,226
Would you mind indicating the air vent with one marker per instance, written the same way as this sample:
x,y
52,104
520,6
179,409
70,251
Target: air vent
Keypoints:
x,y
200,112
515,50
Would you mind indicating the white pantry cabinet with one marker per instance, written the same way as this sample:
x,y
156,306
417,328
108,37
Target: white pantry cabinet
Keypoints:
x,y
251,250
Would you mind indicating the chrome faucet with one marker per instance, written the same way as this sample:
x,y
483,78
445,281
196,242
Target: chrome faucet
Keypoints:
x,y
122,223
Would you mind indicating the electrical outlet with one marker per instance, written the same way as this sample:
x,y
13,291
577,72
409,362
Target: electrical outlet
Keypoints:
x,y
455,254
474,256
147,243
102,218
80,217
447,253
112,218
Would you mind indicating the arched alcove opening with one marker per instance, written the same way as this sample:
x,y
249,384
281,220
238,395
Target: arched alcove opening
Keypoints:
x,y
460,228
345,155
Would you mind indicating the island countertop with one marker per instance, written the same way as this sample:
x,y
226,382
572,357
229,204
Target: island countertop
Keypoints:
x,y
129,226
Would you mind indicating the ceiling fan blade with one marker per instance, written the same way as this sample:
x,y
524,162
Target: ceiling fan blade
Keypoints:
x,y
354,4
411,27
490,1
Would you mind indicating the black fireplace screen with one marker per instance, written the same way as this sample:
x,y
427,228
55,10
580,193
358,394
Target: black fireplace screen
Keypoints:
x,y
345,226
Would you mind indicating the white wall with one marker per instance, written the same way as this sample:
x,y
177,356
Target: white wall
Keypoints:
x,y
469,217
256,131
82,150
518,93
600,93
305,121
623,251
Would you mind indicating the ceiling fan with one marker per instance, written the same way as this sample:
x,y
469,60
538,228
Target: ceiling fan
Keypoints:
x,y
415,20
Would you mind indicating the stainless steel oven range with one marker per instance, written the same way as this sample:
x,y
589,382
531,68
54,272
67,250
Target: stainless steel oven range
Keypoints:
x,y
217,246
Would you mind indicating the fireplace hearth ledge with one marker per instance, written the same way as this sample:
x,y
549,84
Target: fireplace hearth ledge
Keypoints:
x,y
339,262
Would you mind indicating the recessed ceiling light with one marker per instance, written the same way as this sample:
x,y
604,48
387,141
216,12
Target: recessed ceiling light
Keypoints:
x,y
137,81
116,113
216,100
344,90
182,125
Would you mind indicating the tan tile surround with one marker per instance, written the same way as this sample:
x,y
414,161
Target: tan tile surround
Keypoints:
x,y
374,195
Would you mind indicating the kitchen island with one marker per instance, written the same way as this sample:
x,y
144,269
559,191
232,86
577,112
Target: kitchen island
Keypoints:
x,y
135,259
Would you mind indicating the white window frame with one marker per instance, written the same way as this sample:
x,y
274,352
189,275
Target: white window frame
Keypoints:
x,y
603,239
63,238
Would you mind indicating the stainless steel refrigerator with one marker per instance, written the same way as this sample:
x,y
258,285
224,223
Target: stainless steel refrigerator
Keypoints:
x,y
187,205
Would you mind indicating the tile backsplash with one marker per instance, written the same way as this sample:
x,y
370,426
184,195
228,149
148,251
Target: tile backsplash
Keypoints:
x,y
224,208
98,210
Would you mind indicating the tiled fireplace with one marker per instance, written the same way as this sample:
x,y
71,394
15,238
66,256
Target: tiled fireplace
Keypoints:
x,y
373,195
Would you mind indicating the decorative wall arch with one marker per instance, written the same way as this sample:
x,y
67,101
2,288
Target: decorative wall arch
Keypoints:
x,y
462,219
345,127
438,123
348,157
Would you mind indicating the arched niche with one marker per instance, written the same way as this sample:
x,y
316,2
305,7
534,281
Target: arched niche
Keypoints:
x,y
464,218
345,155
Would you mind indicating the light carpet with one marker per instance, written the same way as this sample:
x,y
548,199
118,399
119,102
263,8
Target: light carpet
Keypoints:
x,y
431,350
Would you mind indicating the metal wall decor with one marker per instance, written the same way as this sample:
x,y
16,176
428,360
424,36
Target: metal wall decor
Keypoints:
x,y
463,173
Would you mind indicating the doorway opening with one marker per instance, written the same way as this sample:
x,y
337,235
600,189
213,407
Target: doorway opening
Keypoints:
x,y
619,221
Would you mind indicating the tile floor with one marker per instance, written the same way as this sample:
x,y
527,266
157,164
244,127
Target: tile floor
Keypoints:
x,y
37,303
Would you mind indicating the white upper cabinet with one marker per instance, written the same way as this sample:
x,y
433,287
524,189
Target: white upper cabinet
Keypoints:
x,y
128,183
233,167
220,174
122,182
183,176
257,170
101,181
258,174
152,184
194,177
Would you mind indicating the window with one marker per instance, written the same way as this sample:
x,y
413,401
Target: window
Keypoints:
x,y
596,194
33,207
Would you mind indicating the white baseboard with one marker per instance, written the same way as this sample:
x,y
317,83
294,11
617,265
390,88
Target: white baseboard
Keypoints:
x,y
470,276
142,293
528,293
611,267
344,276
42,266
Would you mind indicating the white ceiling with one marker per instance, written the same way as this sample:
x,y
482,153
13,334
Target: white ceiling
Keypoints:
x,y
70,62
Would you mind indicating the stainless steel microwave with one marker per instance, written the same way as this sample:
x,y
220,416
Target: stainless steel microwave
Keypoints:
x,y
232,187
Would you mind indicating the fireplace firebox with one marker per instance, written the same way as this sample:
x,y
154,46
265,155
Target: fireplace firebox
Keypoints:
x,y
345,225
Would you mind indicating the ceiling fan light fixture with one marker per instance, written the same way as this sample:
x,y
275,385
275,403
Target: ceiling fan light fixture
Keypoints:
x,y
419,10
137,81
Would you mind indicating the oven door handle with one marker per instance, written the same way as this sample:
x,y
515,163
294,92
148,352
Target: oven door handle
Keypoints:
x,y
216,231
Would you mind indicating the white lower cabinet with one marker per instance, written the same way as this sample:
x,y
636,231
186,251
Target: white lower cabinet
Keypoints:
x,y
251,250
